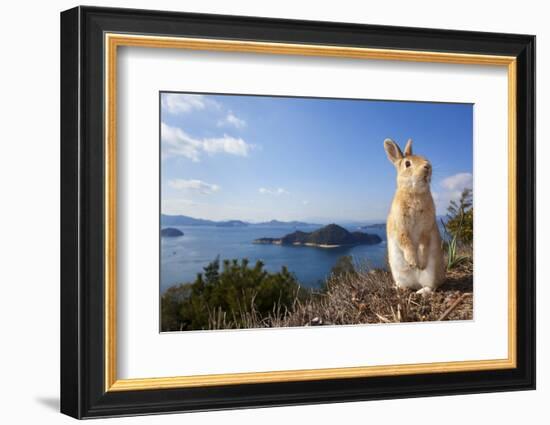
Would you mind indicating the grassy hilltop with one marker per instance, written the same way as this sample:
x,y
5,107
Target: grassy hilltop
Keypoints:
x,y
238,295
234,294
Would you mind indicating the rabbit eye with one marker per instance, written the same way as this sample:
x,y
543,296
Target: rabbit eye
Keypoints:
x,y
407,164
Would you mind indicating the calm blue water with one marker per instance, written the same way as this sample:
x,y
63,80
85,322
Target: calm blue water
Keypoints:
x,y
183,257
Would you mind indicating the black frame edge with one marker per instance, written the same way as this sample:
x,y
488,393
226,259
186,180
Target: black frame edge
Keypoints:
x,y
82,345
70,383
526,209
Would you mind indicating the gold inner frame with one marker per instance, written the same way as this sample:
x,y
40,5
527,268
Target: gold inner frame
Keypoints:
x,y
113,41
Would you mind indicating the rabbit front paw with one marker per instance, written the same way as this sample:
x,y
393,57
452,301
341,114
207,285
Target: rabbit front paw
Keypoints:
x,y
422,256
410,258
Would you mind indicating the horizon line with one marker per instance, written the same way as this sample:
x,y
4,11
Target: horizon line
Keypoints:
x,y
306,221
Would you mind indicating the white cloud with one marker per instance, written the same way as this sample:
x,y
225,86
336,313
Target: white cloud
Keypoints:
x,y
305,202
194,186
452,188
182,103
232,120
226,144
458,181
175,142
278,191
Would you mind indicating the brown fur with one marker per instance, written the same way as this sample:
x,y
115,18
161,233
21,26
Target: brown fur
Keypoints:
x,y
411,222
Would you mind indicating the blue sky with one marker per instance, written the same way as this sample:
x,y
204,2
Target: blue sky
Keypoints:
x,y
259,158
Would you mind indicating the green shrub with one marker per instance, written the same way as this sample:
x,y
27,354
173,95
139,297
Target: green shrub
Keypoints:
x,y
460,218
237,290
460,228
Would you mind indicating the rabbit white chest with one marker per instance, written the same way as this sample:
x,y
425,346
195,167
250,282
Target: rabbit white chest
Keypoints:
x,y
412,227
408,276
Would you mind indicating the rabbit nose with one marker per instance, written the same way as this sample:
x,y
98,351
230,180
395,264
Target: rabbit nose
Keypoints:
x,y
427,166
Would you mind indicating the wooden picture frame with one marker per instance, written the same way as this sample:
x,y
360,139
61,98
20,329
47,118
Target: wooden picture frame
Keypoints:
x,y
90,38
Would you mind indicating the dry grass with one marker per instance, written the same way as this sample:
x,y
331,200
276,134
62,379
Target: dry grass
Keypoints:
x,y
366,296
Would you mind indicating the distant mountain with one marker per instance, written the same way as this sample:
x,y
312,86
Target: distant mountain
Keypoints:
x,y
284,223
373,226
232,223
183,220
326,237
170,232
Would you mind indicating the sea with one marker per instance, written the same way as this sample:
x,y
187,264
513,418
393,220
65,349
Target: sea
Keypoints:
x,y
185,256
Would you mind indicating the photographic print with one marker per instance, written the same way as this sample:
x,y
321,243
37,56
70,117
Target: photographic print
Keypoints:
x,y
298,211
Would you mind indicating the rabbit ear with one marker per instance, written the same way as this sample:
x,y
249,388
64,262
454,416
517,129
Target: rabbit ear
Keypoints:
x,y
392,150
409,147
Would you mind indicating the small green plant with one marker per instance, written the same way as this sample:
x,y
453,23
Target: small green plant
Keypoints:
x,y
460,218
458,228
453,257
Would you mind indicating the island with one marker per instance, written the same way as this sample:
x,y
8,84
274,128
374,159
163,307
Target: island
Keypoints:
x,y
331,236
373,226
284,223
170,232
231,223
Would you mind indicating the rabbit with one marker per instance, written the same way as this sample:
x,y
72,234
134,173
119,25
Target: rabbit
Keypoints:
x,y
414,244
